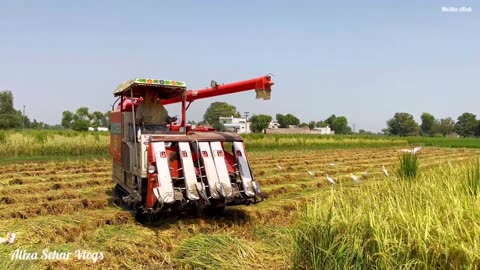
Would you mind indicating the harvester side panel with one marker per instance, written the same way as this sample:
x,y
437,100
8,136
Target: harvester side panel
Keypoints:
x,y
164,192
188,170
127,156
210,171
244,169
116,136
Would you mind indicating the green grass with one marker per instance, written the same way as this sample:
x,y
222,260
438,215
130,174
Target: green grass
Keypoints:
x,y
312,141
268,142
445,142
30,143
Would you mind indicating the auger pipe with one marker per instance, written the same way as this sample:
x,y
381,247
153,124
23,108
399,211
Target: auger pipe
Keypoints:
x,y
260,83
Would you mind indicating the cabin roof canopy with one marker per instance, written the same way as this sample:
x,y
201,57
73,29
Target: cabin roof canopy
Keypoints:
x,y
166,88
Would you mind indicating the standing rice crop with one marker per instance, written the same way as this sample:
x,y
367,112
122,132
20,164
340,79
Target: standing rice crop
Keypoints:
x,y
408,164
427,224
472,179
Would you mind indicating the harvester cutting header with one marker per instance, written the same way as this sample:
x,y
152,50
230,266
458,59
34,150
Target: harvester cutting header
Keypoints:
x,y
177,167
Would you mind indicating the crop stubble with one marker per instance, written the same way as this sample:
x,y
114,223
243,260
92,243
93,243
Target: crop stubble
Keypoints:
x,y
70,203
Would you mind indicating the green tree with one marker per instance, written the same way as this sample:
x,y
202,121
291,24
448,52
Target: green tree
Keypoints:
x,y
286,120
340,125
219,126
385,131
320,124
311,125
80,124
6,102
445,126
477,129
106,119
428,124
27,122
466,124
67,119
97,119
9,117
364,132
81,119
217,110
402,124
259,122
329,121
83,114
37,125
303,125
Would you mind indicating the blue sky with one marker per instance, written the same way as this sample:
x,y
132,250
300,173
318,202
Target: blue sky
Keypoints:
x,y
364,60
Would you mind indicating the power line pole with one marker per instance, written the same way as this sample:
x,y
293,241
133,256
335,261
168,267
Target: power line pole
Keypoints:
x,y
23,117
246,120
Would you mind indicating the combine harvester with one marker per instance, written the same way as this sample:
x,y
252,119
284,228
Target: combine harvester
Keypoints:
x,y
182,168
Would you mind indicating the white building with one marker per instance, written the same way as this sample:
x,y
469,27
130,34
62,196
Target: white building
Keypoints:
x,y
324,130
238,125
98,129
273,124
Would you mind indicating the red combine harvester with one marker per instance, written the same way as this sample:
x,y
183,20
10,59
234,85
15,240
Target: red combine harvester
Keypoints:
x,y
181,168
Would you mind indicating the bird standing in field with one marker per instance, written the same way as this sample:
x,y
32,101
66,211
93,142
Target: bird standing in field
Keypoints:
x,y
8,239
416,149
365,174
279,167
450,164
330,179
310,173
354,177
384,170
412,151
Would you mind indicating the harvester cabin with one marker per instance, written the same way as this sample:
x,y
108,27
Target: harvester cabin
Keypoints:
x,y
135,90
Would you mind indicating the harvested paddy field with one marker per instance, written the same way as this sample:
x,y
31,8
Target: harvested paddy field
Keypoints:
x,y
68,207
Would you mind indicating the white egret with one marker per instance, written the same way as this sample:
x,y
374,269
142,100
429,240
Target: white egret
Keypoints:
x,y
450,164
330,179
385,170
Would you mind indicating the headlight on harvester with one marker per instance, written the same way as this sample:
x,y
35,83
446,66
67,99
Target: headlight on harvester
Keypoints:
x,y
151,169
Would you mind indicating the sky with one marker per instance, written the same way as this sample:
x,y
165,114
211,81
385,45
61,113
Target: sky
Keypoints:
x,y
365,60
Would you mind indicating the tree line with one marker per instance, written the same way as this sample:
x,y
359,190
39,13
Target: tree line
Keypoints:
x,y
261,121
402,124
11,118
81,120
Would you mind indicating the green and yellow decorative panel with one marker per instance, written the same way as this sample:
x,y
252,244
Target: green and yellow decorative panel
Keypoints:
x,y
146,81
